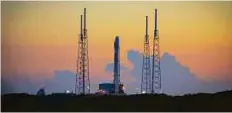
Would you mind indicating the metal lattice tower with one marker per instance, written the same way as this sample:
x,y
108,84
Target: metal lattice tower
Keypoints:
x,y
82,85
156,71
146,67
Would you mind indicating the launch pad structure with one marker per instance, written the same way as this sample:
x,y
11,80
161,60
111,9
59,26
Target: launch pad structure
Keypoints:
x,y
146,67
151,78
156,71
115,88
82,85
151,75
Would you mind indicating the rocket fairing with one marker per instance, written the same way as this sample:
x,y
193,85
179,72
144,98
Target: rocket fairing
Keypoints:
x,y
116,44
116,64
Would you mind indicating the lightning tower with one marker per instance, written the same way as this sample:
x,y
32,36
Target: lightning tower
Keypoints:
x,y
146,69
82,85
156,72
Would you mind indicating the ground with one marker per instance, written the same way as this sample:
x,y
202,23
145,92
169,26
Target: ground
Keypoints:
x,y
62,102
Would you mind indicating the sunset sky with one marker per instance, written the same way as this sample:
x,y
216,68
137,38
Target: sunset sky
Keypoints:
x,y
39,38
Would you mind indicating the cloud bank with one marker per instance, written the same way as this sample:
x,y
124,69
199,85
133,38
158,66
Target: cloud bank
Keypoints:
x,y
176,78
61,81
19,84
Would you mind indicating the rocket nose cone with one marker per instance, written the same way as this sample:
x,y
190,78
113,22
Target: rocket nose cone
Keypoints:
x,y
117,39
116,42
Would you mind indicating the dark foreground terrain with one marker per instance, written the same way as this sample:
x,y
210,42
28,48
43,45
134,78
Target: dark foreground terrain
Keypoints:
x,y
61,102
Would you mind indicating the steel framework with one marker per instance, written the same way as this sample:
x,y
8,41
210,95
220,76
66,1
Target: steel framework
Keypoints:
x,y
82,85
156,71
146,67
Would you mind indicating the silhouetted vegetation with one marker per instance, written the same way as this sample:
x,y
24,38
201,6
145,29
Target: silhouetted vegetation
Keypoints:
x,y
68,102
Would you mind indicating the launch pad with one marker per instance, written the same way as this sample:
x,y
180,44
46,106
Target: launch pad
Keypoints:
x,y
115,88
151,74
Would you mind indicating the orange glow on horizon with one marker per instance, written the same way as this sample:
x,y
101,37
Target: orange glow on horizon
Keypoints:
x,y
45,34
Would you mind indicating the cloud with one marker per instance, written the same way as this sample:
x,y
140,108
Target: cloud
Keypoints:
x,y
136,59
6,87
62,80
176,78
19,84
109,67
65,80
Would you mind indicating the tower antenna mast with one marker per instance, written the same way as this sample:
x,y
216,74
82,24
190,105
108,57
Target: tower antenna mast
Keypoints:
x,y
82,85
146,67
156,71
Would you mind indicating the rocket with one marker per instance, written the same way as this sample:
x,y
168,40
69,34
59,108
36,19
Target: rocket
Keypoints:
x,y
116,65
